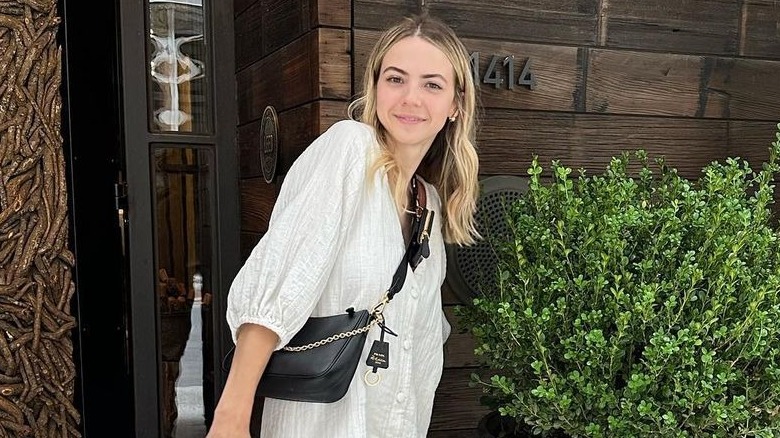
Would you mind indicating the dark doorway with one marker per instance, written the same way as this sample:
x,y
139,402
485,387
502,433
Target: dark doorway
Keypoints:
x,y
93,149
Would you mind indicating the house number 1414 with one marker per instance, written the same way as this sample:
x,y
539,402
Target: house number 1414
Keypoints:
x,y
493,74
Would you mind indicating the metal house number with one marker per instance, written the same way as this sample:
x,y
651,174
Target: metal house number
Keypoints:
x,y
494,73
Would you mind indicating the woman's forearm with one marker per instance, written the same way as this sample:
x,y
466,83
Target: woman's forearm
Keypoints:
x,y
254,346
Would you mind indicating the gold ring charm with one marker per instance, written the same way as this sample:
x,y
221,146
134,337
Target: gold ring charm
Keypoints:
x,y
369,381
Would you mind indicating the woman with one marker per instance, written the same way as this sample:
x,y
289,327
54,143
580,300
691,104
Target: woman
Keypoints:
x,y
339,229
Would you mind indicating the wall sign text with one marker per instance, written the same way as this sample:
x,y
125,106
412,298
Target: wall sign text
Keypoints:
x,y
501,72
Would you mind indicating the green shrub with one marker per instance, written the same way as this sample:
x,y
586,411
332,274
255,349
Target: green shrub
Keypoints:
x,y
637,303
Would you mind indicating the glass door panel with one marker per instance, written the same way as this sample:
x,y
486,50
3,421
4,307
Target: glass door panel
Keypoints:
x,y
178,75
183,183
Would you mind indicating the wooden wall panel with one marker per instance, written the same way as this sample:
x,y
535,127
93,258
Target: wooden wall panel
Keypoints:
x,y
379,14
643,83
335,61
459,348
240,5
248,242
743,88
267,25
457,404
509,139
751,141
294,75
447,296
285,79
549,21
257,201
249,35
249,144
334,13
760,29
560,21
693,26
628,82
331,111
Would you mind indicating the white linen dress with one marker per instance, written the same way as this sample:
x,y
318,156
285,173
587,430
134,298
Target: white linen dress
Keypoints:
x,y
334,241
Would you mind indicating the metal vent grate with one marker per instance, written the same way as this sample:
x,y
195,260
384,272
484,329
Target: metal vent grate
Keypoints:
x,y
470,269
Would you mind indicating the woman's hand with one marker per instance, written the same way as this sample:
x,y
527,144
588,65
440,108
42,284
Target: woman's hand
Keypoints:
x,y
254,346
227,425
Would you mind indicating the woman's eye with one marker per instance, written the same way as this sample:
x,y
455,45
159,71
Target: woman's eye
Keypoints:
x,y
434,86
394,80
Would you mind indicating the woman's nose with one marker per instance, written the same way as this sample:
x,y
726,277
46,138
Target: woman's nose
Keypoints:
x,y
412,95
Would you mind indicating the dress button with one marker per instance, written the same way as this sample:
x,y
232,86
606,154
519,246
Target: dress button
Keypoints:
x,y
400,397
407,344
414,292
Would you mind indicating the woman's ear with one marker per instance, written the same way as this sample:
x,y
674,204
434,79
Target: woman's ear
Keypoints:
x,y
453,113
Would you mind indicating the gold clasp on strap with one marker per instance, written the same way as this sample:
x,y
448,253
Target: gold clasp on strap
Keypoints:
x,y
380,307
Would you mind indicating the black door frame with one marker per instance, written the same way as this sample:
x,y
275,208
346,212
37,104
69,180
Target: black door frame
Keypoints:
x,y
107,145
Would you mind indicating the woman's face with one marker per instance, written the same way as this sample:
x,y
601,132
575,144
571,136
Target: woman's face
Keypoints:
x,y
415,93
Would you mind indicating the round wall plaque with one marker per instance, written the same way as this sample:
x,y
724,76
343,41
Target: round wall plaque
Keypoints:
x,y
269,134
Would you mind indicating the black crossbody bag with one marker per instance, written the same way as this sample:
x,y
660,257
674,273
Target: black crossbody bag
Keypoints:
x,y
319,362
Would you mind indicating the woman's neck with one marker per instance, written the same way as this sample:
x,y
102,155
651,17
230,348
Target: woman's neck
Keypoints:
x,y
408,160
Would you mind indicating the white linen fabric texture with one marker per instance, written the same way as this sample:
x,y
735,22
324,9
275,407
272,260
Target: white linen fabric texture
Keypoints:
x,y
334,241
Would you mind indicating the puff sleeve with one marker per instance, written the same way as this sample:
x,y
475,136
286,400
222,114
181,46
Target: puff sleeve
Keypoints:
x,y
280,283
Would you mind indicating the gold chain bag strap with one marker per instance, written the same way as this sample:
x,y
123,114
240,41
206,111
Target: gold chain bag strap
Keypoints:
x,y
319,362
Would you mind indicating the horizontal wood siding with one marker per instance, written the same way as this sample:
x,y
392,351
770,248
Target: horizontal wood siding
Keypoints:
x,y
547,21
760,31
294,75
465,413
692,26
628,82
267,25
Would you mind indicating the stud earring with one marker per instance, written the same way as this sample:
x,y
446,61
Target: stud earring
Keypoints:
x,y
452,118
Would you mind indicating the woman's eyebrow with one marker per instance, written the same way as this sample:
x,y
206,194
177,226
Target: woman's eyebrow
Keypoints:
x,y
425,76
396,69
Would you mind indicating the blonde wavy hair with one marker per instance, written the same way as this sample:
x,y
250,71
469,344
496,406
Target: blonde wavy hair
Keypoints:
x,y
451,164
